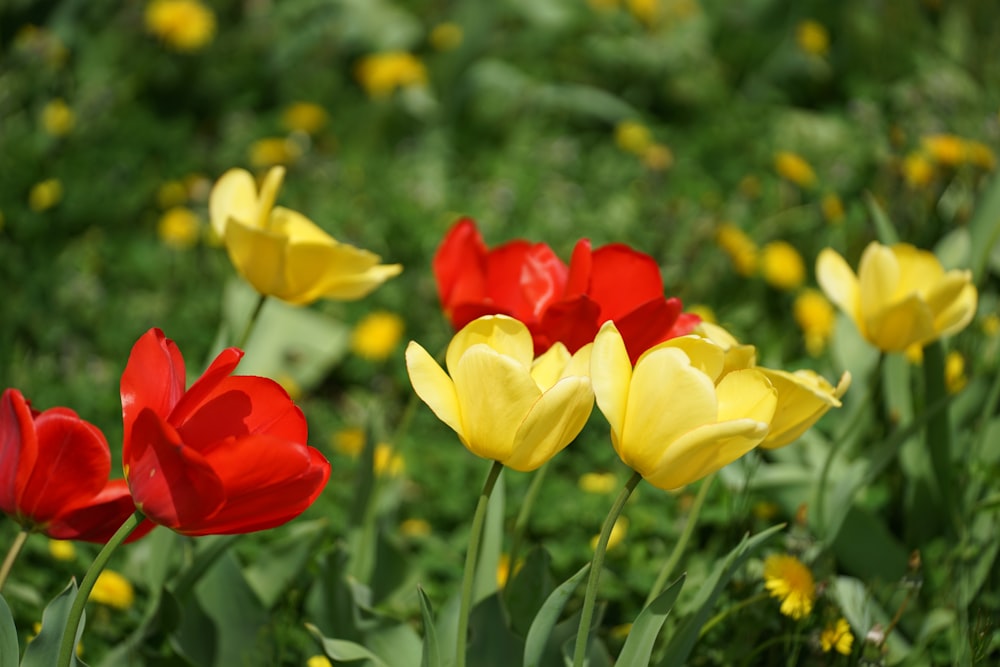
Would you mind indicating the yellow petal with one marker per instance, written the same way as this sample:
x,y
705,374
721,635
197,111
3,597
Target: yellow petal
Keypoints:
x,y
746,393
611,374
959,313
234,195
548,367
704,354
896,327
555,419
705,450
259,256
878,279
269,193
504,334
297,228
433,386
840,284
356,286
803,397
919,270
579,363
495,394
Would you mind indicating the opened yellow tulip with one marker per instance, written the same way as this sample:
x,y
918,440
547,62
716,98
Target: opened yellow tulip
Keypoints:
x,y
504,404
803,397
676,417
901,296
282,253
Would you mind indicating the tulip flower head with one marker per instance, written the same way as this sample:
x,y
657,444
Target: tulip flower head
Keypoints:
x,y
674,416
803,397
54,471
281,252
505,404
901,295
227,455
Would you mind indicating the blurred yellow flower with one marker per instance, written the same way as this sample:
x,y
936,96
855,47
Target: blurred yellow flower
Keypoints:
x,y
45,195
946,149
62,550
604,5
377,335
620,632
618,533
179,228
900,296
304,117
272,151
113,590
991,325
812,37
380,74
319,661
446,36
349,441
598,482
290,385
742,251
415,528
170,194
832,208
57,118
914,354
713,417
387,462
505,404
954,372
837,636
918,171
703,311
782,265
787,579
765,510
793,167
647,11
633,137
803,397
184,25
658,157
816,316
284,254
980,155
503,570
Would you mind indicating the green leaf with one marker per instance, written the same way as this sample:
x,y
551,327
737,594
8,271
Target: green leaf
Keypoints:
x,y
343,650
277,565
431,656
527,589
548,615
863,612
685,637
883,226
9,650
491,643
639,645
43,650
985,228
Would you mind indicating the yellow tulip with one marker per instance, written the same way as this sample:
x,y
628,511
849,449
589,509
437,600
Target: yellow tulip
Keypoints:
x,y
281,252
900,296
504,404
803,397
676,417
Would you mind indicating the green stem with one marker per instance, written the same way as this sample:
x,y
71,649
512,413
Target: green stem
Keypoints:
x,y
939,426
87,585
471,556
521,524
12,553
587,612
242,343
725,613
678,551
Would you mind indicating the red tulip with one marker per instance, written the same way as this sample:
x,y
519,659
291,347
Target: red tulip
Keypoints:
x,y
54,471
558,303
228,455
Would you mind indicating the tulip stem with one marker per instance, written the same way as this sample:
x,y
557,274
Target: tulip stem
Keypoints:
x,y
242,343
521,523
939,426
678,551
590,597
12,554
87,585
471,556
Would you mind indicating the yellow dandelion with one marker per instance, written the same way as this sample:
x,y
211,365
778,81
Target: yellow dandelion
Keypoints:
x,y
349,441
617,536
633,137
837,637
380,74
179,228
954,372
387,462
446,36
945,149
981,155
184,25
377,335
812,38
991,325
45,195
786,578
658,157
272,151
742,251
598,482
62,550
57,118
782,266
918,171
113,590
647,11
816,316
304,117
319,661
832,208
794,168
415,528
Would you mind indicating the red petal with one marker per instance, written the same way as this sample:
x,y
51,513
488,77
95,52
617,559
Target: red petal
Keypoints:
x,y
460,265
73,466
648,325
98,520
622,279
580,267
18,448
172,484
543,278
154,378
268,482
685,324
574,322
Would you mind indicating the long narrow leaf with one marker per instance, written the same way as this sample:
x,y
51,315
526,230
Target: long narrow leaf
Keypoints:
x,y
9,650
341,649
43,651
639,645
432,653
883,226
548,615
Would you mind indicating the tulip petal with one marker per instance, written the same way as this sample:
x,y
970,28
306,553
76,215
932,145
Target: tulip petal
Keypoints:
x,y
433,386
704,355
957,315
840,283
355,286
919,270
896,327
18,448
268,194
548,367
621,280
649,324
878,280
705,450
495,393
505,335
571,321
543,278
460,267
555,419
205,386
234,196
803,397
154,378
100,517
504,273
259,256
611,375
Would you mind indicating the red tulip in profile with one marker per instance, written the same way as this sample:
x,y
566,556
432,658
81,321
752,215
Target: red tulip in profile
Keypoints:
x,y
227,455
558,303
54,471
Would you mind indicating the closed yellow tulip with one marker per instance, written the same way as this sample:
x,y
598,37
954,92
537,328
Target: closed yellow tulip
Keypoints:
x,y
503,403
901,295
676,417
803,397
281,252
